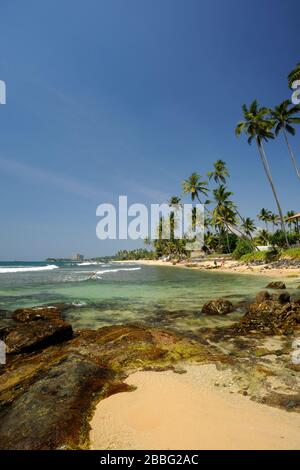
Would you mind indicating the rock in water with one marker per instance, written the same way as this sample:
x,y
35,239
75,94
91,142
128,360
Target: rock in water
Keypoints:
x,y
269,318
262,296
217,307
282,297
276,285
35,329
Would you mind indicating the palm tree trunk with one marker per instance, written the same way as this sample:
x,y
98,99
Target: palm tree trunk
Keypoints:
x,y
269,176
293,158
227,238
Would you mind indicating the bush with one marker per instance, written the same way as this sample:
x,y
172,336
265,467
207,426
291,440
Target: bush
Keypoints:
x,y
291,253
278,238
255,256
223,240
272,255
243,247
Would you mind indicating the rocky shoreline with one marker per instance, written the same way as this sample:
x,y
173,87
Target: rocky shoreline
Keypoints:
x,y
280,268
54,376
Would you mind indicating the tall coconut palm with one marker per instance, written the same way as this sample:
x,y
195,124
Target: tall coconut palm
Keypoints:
x,y
258,127
210,241
292,222
248,226
274,219
219,173
223,215
265,216
294,75
284,115
263,237
194,186
175,203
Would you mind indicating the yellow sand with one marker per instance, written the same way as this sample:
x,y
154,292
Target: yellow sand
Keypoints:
x,y
172,411
228,266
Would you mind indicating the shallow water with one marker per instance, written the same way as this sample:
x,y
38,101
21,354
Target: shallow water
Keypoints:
x,y
107,294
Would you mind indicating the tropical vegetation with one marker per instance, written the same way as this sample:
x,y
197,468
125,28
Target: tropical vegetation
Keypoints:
x,y
226,230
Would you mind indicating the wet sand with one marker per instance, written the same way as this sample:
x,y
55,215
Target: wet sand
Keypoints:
x,y
188,411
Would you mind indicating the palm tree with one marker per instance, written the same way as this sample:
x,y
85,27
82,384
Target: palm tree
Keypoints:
x,y
265,216
194,186
294,75
263,237
291,222
248,226
175,202
210,241
258,127
219,173
274,219
223,215
283,116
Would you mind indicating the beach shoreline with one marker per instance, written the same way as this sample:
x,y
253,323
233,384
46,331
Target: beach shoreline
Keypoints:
x,y
224,266
196,410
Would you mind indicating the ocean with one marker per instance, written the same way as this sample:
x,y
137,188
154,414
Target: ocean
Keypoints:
x,y
100,294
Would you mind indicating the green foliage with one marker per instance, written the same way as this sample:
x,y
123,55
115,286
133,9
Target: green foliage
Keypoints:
x,y
243,247
227,242
294,75
255,256
272,255
137,254
278,238
291,253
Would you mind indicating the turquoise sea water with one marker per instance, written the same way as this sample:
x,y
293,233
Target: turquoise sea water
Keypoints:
x,y
112,293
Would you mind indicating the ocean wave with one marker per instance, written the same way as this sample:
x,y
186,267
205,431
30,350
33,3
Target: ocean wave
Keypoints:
x,y
79,303
24,269
105,271
89,263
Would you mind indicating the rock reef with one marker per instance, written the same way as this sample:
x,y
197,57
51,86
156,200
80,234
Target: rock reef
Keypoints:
x,y
54,376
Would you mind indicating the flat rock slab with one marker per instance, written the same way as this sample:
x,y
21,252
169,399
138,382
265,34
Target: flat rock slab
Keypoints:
x,y
50,412
34,329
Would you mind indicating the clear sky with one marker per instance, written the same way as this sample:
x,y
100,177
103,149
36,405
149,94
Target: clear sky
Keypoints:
x,y
109,97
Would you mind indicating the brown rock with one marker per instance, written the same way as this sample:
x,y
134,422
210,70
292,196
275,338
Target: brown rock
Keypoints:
x,y
35,329
262,296
276,285
217,307
46,398
50,412
282,297
269,318
38,313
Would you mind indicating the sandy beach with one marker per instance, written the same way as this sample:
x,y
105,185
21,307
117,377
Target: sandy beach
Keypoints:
x,y
226,266
188,411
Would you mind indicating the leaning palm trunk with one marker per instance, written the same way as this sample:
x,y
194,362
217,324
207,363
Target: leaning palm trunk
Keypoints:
x,y
293,158
269,176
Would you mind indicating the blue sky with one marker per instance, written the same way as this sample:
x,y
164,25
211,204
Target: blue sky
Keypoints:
x,y
109,97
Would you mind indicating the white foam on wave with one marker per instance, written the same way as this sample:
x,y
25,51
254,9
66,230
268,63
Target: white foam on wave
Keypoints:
x,y
79,303
89,263
105,271
24,269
